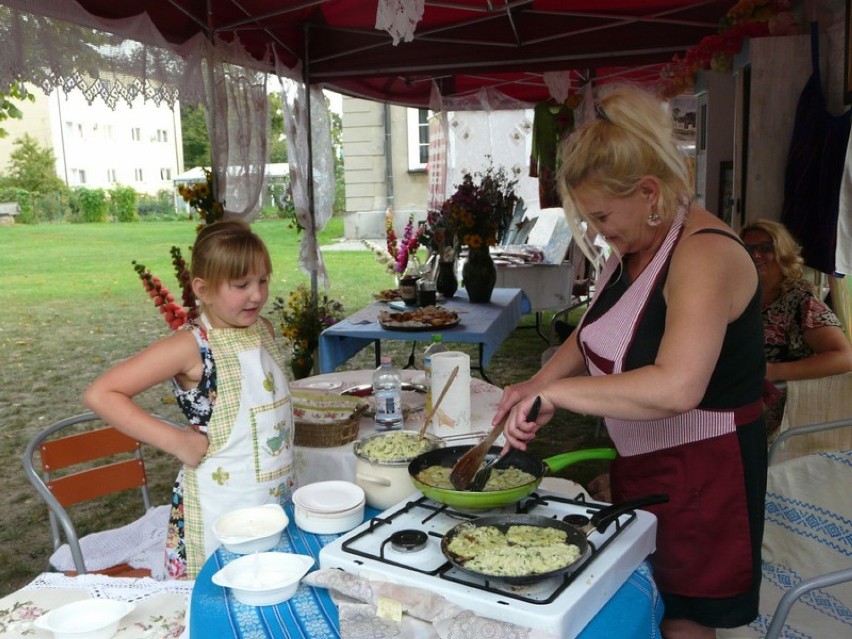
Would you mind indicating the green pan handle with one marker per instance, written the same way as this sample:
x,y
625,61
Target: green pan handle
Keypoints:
x,y
558,462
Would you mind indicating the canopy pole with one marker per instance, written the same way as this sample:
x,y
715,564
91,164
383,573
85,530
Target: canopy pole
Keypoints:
x,y
211,107
306,80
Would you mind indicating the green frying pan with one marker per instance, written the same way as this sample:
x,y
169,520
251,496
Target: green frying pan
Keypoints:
x,y
473,500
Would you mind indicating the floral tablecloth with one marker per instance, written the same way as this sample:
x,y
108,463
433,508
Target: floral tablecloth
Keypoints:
x,y
160,611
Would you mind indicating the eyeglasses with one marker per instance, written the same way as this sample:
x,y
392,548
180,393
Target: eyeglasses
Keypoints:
x,y
762,247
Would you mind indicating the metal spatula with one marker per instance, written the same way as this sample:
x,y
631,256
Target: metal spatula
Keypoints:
x,y
467,466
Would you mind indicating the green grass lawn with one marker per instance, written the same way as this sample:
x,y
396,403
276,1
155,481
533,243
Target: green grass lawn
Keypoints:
x,y
72,306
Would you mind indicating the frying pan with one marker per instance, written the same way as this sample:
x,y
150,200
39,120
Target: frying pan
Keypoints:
x,y
575,535
472,500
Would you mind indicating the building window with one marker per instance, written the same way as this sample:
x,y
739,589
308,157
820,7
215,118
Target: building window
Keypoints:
x,y
165,174
78,176
162,135
136,134
418,139
69,129
111,176
137,174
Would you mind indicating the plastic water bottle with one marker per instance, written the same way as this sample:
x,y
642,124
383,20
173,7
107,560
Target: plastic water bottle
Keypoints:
x,y
437,346
387,391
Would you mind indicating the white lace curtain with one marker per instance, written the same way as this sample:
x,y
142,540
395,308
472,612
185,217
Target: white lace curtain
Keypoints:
x,y
59,45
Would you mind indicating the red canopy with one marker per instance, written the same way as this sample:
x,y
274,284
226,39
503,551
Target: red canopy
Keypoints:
x,y
463,45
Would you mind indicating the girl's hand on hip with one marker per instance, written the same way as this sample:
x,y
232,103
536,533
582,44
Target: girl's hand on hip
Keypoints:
x,y
195,448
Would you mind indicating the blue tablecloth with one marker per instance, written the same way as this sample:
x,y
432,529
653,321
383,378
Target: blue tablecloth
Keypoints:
x,y
485,324
634,612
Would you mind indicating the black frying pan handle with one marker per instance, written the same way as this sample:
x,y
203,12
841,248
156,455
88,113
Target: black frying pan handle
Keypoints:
x,y
605,516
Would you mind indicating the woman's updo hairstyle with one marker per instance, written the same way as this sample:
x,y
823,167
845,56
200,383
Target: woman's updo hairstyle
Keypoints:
x,y
228,250
632,136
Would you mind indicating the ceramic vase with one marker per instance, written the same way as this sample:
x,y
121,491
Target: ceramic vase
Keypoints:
x,y
445,281
479,275
302,363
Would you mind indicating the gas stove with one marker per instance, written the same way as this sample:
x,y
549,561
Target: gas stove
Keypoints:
x,y
392,548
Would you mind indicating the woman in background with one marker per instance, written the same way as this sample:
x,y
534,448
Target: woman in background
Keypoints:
x,y
802,336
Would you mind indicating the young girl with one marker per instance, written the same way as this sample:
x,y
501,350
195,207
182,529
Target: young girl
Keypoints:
x,y
229,381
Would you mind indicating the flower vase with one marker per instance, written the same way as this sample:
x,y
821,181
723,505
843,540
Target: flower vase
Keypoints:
x,y
445,281
302,363
479,275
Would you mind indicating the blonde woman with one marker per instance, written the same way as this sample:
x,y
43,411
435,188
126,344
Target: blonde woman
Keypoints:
x,y
670,353
803,338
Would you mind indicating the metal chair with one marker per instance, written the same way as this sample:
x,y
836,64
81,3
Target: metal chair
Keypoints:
x,y
78,465
827,579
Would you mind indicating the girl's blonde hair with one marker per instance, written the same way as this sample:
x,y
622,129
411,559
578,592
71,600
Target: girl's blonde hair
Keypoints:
x,y
228,250
631,137
788,253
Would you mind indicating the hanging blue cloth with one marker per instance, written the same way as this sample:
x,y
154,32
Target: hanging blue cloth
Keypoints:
x,y
814,171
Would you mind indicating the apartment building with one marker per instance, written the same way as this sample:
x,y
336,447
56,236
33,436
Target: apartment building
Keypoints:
x,y
98,147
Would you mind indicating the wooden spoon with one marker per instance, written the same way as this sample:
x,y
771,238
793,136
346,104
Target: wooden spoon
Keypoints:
x,y
465,468
437,402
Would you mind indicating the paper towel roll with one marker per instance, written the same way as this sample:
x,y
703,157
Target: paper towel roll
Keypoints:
x,y
453,415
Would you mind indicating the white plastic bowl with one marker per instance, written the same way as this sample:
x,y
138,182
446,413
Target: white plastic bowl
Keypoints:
x,y
86,619
249,530
264,579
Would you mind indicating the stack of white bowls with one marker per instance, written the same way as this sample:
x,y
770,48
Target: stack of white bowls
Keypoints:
x,y
328,507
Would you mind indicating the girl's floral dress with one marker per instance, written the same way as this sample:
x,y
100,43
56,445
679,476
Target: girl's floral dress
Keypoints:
x,y
197,405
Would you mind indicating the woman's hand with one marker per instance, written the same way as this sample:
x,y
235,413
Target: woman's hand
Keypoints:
x,y
512,395
519,432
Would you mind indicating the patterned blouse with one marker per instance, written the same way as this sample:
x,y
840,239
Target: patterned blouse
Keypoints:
x,y
197,403
786,320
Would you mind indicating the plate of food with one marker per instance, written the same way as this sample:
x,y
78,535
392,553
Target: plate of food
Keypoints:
x,y
421,319
387,295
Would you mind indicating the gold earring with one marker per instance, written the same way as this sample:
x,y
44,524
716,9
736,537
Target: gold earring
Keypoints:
x,y
653,217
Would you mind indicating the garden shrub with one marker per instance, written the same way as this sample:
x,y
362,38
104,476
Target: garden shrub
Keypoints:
x,y
122,201
92,204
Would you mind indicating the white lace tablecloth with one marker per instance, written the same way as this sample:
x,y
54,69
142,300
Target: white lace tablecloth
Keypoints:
x,y
160,612
322,464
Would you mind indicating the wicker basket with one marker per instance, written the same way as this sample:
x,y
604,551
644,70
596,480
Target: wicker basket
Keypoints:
x,y
327,434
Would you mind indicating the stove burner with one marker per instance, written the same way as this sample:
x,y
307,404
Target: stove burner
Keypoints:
x,y
408,540
576,519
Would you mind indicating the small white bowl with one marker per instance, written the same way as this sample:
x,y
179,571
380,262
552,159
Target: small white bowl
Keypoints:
x,y
86,619
254,529
264,579
329,496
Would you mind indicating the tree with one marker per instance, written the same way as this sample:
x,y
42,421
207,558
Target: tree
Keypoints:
x,y
337,148
33,167
196,139
8,109
277,135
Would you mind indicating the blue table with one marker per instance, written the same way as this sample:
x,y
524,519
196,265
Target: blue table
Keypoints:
x,y
487,325
634,612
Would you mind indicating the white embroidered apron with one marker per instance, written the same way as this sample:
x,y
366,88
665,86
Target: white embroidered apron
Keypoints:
x,y
250,458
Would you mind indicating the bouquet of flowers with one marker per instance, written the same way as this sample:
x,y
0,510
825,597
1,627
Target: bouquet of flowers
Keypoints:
x,y
478,214
399,251
200,196
301,320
